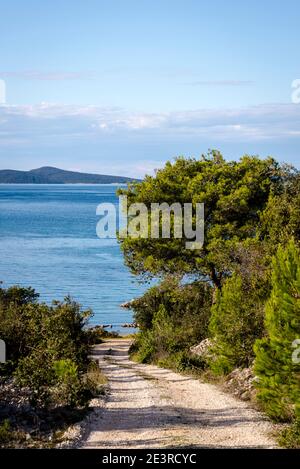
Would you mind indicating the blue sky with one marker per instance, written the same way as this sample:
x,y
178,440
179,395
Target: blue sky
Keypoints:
x,y
120,87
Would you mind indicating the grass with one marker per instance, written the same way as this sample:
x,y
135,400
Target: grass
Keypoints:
x,y
95,379
290,436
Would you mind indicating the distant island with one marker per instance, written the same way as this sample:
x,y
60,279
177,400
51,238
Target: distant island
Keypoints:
x,y
50,175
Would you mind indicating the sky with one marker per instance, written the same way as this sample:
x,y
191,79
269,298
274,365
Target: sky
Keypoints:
x,y
120,87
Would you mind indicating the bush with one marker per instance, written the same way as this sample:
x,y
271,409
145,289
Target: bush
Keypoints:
x,y
48,347
35,371
5,432
280,221
290,437
95,381
278,385
182,361
236,322
19,315
144,307
143,348
68,389
96,334
172,317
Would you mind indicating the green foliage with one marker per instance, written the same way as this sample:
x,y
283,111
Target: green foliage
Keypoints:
x,y
161,338
94,380
26,325
47,346
236,322
143,348
145,306
182,361
17,308
65,369
290,437
18,295
280,221
5,432
188,303
96,334
251,206
172,317
279,374
234,194
68,389
35,371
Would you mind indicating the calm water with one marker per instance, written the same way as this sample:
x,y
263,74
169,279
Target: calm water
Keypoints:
x,y
48,241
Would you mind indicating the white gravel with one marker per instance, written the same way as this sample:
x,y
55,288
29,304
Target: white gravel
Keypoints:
x,y
150,407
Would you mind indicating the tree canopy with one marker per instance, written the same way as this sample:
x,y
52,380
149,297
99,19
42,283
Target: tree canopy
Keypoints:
x,y
234,194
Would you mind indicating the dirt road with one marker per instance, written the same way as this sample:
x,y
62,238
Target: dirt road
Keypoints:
x,y
150,407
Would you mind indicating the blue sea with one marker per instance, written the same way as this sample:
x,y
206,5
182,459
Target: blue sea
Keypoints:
x,y
48,241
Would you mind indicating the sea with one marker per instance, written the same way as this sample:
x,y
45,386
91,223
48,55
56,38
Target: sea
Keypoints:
x,y
48,241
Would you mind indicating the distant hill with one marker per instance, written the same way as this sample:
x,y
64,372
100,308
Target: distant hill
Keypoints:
x,y
50,175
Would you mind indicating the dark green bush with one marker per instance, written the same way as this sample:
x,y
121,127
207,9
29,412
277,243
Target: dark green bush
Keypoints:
x,y
5,432
279,374
35,371
290,437
172,318
48,347
69,389
96,334
236,322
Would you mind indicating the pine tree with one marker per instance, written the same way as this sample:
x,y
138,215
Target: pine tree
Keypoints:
x,y
236,322
275,365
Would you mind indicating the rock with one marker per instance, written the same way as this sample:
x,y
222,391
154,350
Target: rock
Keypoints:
x,y
241,383
14,396
127,304
203,349
133,325
246,396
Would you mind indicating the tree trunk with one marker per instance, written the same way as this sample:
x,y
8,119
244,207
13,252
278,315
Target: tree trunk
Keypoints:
x,y
217,281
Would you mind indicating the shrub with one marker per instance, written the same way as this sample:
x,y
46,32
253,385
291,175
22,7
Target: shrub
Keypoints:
x,y
280,221
143,348
68,390
182,361
236,322
35,371
290,437
19,316
144,307
279,376
65,369
48,347
162,339
5,432
96,334
95,381
173,317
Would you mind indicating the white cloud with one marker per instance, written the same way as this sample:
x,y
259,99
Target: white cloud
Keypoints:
x,y
221,83
50,121
135,169
47,76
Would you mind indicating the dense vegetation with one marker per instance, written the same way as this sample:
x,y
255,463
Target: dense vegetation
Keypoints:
x,y
48,350
279,384
243,299
170,316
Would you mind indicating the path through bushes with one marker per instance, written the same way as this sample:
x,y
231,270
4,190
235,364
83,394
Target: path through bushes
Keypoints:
x,y
149,407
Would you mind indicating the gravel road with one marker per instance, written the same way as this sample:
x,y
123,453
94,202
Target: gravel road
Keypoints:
x,y
150,407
